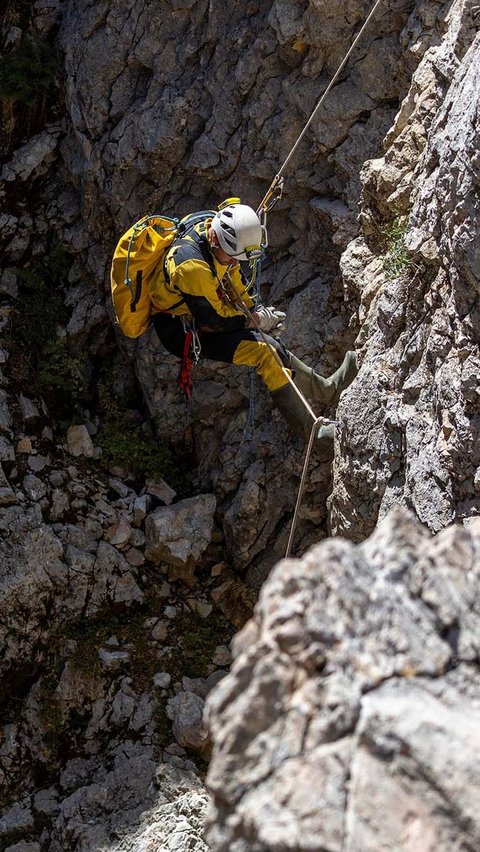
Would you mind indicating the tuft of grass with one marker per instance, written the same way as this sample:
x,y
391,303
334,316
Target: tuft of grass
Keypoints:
x,y
397,258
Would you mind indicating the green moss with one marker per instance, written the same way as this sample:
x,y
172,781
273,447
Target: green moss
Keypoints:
x,y
132,445
28,71
53,724
197,640
41,362
397,258
40,308
130,630
62,373
163,725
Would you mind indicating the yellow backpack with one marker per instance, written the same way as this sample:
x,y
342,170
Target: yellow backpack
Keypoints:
x,y
139,257
140,251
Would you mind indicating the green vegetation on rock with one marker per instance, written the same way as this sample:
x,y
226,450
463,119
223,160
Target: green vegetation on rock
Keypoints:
x,y
41,362
28,71
397,257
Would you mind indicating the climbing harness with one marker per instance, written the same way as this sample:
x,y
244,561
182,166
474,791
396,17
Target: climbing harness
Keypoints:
x,y
191,353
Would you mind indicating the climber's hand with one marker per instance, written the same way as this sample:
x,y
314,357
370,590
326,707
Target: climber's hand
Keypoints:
x,y
269,318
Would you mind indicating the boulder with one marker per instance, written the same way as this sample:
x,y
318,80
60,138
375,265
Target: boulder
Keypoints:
x,y
351,716
186,712
79,442
180,533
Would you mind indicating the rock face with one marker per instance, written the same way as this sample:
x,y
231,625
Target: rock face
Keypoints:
x,y
409,423
175,108
358,686
172,109
350,718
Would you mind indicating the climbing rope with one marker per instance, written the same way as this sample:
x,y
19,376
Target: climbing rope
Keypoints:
x,y
277,183
302,486
273,194
249,428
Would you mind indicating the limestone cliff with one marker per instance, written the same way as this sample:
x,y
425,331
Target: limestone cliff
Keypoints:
x,y
119,590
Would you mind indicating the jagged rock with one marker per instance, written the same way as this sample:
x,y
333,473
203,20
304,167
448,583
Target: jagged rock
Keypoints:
x,y
60,505
137,538
170,612
24,445
186,712
38,463
202,608
29,410
79,442
7,495
113,660
7,453
134,557
179,534
108,804
349,682
162,680
131,87
57,478
158,488
119,533
408,424
159,632
141,506
46,583
176,820
17,819
8,282
222,656
5,413
34,487
34,156
114,579
119,487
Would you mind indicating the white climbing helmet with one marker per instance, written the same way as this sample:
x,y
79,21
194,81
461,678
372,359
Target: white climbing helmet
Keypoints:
x,y
238,229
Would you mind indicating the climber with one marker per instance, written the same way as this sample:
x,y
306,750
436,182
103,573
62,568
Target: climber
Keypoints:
x,y
191,294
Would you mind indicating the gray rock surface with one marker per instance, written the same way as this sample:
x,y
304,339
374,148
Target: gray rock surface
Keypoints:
x,y
176,823
186,711
179,534
350,717
173,108
409,423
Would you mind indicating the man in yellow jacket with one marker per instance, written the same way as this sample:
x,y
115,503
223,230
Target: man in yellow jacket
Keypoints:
x,y
201,280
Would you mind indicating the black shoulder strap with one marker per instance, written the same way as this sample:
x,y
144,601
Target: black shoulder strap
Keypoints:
x,y
186,239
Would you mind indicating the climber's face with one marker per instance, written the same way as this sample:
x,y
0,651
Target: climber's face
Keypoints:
x,y
221,255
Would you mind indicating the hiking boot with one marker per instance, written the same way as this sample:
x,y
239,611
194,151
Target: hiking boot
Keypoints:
x,y
320,389
294,411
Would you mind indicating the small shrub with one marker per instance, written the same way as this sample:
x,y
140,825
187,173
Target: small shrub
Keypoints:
x,y
41,362
397,258
197,640
28,71
61,373
127,443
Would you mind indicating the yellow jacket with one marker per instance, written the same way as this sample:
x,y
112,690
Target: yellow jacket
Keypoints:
x,y
193,282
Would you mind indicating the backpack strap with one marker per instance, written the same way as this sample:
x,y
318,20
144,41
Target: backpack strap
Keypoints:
x,y
186,240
